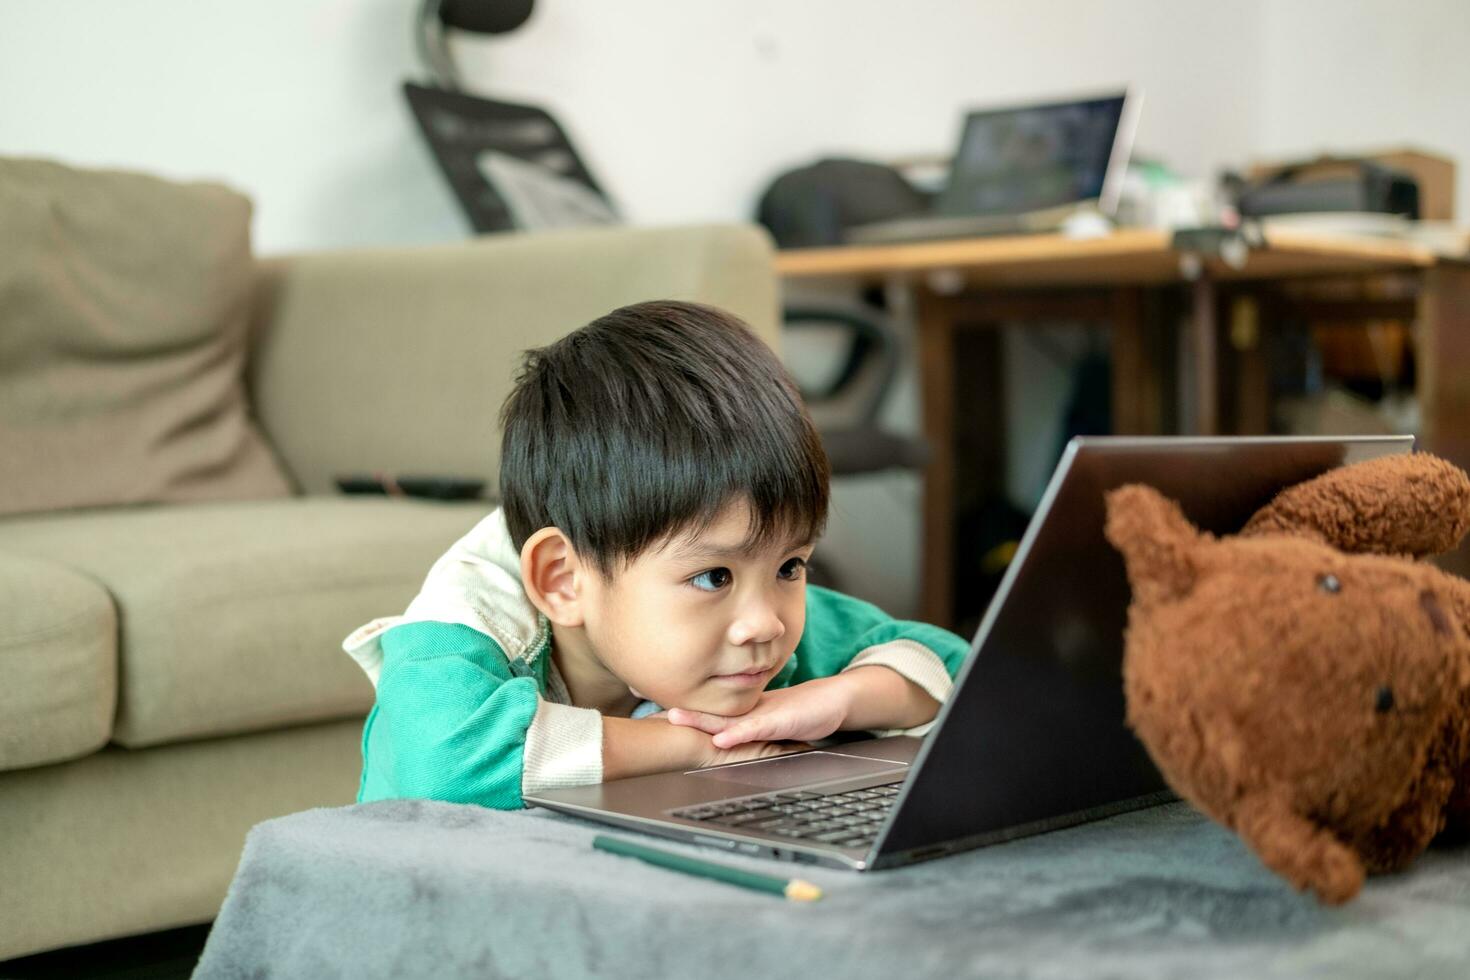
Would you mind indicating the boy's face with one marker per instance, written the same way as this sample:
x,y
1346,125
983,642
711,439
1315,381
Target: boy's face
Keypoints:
x,y
697,623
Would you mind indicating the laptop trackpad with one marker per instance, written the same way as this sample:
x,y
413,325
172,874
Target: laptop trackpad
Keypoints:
x,y
786,771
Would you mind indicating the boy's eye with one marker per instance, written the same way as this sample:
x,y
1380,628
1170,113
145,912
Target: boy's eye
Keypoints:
x,y
711,581
792,569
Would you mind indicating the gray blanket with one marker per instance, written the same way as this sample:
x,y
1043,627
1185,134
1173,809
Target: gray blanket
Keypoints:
x,y
416,889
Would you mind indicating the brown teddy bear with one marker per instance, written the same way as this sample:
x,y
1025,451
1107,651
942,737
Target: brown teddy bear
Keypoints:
x,y
1307,682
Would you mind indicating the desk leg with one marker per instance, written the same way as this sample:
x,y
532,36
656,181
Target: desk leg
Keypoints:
x,y
1136,400
935,327
1252,373
1203,338
1442,341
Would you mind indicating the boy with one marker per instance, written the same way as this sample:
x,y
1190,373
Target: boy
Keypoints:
x,y
638,603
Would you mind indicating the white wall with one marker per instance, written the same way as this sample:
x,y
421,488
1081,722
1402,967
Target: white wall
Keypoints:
x,y
1366,74
685,109
294,101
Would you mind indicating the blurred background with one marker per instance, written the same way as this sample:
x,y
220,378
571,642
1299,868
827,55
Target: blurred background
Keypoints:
x,y
975,229
687,112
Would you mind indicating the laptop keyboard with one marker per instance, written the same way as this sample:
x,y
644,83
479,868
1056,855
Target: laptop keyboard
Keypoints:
x,y
849,819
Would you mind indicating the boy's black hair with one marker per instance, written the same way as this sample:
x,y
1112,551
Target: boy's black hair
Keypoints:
x,y
648,421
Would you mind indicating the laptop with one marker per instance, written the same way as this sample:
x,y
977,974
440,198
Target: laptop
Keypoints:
x,y
1032,737
1027,169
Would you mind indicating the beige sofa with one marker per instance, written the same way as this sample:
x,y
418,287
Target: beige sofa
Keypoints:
x,y
171,674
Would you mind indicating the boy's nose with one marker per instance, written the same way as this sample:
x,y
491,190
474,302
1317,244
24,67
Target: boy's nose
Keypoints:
x,y
757,623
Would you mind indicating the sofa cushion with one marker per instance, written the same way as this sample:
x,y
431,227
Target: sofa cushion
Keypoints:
x,y
436,334
58,663
123,311
233,614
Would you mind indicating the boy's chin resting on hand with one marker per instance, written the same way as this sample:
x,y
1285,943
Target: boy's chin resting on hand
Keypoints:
x,y
783,720
639,747
872,697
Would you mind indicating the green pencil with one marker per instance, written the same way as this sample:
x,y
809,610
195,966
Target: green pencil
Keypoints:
x,y
794,889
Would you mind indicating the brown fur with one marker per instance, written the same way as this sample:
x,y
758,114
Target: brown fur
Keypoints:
x,y
1256,666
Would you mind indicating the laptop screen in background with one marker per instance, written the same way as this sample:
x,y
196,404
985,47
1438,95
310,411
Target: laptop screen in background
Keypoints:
x,y
1015,160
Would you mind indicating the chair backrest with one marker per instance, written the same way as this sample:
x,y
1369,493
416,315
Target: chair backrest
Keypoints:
x,y
815,205
852,395
538,174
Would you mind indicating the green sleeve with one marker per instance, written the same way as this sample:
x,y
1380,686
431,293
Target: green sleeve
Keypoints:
x,y
839,627
450,721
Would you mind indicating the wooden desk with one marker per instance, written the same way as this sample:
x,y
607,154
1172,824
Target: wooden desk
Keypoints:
x,y
983,283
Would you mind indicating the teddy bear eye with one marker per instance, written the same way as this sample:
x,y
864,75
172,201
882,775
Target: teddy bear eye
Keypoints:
x,y
1383,703
1329,584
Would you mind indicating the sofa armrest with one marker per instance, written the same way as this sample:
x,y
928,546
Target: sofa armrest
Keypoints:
x,y
397,360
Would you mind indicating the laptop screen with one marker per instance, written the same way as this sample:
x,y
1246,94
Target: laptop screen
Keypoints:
x,y
1011,161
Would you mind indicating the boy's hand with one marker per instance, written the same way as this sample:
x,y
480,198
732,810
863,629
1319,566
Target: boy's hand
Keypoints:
x,y
749,751
637,747
808,711
711,755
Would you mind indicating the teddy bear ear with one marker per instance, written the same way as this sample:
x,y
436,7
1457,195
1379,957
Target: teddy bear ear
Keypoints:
x,y
1157,541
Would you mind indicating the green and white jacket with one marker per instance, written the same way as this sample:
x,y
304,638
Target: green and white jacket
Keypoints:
x,y
470,705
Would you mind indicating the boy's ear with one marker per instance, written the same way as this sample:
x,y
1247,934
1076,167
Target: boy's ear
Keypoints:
x,y
552,576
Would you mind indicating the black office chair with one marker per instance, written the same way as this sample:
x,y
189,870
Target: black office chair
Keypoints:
x,y
814,206
846,406
467,134
435,17
463,129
